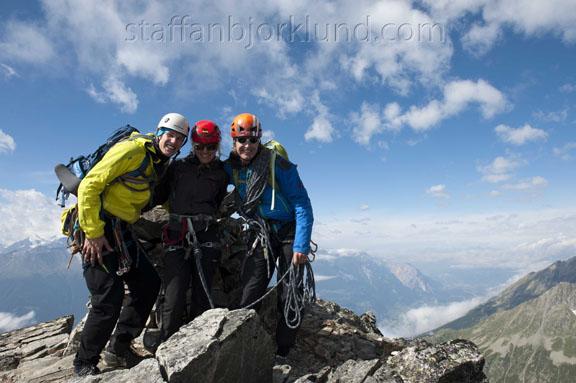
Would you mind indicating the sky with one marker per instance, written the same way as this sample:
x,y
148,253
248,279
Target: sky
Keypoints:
x,y
423,130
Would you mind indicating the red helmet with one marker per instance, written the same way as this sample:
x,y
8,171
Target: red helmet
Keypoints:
x,y
206,132
246,125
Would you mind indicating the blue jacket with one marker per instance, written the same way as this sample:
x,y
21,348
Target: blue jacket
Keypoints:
x,y
291,201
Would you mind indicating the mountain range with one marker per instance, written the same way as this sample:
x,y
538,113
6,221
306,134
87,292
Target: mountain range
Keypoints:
x,y
528,332
34,277
365,283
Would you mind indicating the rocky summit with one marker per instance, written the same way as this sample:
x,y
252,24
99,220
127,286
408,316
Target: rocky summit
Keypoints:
x,y
333,345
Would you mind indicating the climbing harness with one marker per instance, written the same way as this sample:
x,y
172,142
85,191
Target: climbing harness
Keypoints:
x,y
196,246
188,240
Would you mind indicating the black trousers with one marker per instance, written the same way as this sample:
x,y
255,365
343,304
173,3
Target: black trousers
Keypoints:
x,y
257,272
107,296
179,274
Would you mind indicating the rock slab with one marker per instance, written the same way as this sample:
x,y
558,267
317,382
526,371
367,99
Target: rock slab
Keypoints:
x,y
220,346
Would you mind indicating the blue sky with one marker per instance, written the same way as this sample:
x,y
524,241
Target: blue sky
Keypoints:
x,y
457,146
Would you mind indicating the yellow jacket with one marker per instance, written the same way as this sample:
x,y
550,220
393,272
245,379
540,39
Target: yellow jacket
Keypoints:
x,y
124,200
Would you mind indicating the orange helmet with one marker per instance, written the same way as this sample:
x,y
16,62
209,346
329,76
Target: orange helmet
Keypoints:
x,y
245,125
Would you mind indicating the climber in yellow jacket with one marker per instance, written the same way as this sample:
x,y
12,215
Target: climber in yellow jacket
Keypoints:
x,y
110,198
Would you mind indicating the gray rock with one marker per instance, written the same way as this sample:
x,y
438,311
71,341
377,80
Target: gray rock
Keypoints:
x,y
384,375
353,371
219,346
457,361
74,339
47,369
146,371
43,339
453,362
281,373
333,345
320,377
331,335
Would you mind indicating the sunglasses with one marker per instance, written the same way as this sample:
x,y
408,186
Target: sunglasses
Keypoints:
x,y
209,147
243,140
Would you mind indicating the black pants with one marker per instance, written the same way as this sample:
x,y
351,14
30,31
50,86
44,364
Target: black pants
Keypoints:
x,y
257,272
107,295
179,273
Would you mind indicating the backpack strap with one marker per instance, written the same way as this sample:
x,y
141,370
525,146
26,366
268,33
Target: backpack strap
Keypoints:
x,y
138,176
141,171
273,178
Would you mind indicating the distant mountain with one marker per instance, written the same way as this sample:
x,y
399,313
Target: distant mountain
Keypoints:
x,y
528,332
529,287
362,282
34,277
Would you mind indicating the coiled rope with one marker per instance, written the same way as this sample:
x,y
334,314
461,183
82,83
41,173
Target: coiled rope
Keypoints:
x,y
300,291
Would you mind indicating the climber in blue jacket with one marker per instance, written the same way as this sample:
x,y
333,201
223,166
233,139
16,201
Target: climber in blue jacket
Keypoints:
x,y
274,202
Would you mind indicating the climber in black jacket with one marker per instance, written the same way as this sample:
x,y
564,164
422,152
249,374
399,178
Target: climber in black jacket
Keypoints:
x,y
194,188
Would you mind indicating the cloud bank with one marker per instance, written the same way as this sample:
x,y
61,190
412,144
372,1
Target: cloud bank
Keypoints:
x,y
9,322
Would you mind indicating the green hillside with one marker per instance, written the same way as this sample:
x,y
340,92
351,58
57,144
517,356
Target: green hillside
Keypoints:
x,y
535,341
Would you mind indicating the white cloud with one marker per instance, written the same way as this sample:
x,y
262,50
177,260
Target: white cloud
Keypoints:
x,y
568,88
8,71
530,184
474,240
521,135
321,129
126,50
117,92
565,152
481,38
267,135
535,17
25,42
9,322
27,214
366,123
287,102
495,193
438,191
401,56
559,246
458,95
364,207
320,278
143,62
419,320
7,143
527,17
555,116
499,169
451,9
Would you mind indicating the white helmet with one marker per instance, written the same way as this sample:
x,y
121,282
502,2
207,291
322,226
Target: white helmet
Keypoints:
x,y
175,122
